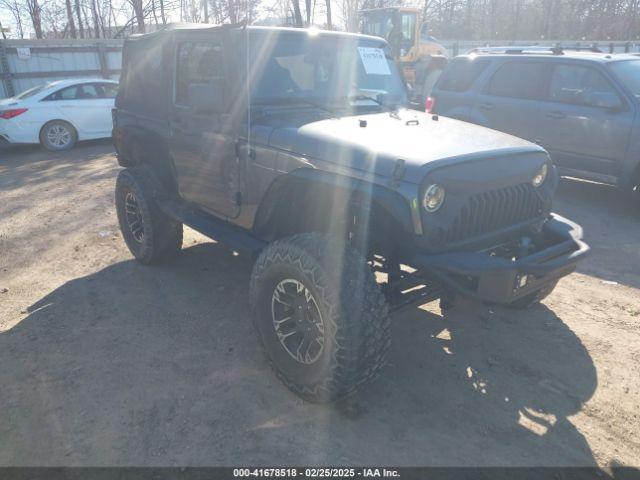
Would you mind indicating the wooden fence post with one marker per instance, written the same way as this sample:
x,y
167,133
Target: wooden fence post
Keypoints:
x,y
5,72
102,58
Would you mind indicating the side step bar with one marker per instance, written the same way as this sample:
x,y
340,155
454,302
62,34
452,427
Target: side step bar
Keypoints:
x,y
219,230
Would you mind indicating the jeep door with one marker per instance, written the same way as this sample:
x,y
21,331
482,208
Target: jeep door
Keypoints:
x,y
202,142
509,101
585,120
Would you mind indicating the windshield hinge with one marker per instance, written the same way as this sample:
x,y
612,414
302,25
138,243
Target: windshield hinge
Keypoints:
x,y
398,173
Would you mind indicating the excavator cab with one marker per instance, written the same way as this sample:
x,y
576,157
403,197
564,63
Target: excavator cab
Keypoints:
x,y
397,25
419,55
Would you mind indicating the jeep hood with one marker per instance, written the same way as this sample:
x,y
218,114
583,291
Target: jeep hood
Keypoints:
x,y
374,142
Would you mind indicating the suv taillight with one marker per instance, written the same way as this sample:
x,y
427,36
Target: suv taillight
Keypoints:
x,y
7,114
429,104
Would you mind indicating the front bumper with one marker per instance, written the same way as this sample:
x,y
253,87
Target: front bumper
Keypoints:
x,y
492,278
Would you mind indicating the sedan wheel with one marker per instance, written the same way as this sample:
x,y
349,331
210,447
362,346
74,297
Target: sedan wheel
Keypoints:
x,y
58,135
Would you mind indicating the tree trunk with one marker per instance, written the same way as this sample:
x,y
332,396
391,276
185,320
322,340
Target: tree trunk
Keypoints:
x,y
205,10
162,15
329,22
79,15
297,14
138,11
96,21
36,19
307,5
153,11
70,20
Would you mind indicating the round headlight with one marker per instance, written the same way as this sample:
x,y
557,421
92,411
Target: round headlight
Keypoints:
x,y
433,198
539,177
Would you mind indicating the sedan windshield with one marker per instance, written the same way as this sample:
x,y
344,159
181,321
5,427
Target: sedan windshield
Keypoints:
x,y
628,72
324,70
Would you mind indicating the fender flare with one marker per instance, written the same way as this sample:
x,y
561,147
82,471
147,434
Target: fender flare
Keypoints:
x,y
313,182
137,146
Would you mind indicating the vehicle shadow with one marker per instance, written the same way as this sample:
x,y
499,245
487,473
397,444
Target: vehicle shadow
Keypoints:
x,y
611,223
32,165
137,365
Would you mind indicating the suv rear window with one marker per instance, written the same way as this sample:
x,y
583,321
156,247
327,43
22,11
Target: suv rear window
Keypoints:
x,y
461,74
518,80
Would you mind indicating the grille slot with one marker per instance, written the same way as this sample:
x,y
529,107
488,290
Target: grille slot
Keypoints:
x,y
490,211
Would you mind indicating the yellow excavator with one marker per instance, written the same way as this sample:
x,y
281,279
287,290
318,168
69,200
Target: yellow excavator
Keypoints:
x,y
420,56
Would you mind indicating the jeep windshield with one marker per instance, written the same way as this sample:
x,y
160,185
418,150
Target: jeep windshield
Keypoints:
x,y
628,71
325,71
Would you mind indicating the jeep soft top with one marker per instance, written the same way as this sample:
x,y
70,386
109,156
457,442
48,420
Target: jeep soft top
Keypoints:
x,y
294,146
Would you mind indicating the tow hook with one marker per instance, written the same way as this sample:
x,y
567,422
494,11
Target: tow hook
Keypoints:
x,y
524,247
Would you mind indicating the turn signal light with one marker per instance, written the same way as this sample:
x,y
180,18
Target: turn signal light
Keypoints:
x,y
7,114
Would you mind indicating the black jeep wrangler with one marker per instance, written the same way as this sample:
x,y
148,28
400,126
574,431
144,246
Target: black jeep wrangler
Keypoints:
x,y
295,147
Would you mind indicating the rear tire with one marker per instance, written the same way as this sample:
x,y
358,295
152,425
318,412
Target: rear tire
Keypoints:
x,y
151,236
58,135
320,316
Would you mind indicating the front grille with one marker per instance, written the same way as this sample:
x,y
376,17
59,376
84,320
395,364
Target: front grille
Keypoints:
x,y
491,211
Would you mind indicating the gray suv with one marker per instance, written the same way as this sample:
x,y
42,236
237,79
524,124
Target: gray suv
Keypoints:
x,y
581,106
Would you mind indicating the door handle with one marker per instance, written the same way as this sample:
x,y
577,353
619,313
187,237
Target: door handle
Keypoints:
x,y
486,106
556,115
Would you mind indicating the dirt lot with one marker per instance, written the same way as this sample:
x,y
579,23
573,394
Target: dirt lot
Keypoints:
x,y
107,362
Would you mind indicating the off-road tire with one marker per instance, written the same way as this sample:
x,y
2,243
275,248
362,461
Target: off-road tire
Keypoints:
x,y
352,307
161,237
66,132
534,298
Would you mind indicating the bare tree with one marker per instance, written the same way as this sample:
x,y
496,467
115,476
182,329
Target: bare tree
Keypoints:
x,y
205,10
79,16
71,22
15,9
138,11
35,12
297,14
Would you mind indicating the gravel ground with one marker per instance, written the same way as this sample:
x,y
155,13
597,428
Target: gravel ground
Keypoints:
x,y
107,362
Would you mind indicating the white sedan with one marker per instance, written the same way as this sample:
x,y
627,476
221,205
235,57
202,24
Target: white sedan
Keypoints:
x,y
59,114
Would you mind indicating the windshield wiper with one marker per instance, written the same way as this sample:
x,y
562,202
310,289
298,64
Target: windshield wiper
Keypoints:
x,y
291,101
355,98
377,100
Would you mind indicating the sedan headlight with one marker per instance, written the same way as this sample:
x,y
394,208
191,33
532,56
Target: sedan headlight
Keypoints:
x,y
433,198
540,176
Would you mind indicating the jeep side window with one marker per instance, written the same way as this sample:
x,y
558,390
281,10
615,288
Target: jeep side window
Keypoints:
x,y
198,63
578,85
518,80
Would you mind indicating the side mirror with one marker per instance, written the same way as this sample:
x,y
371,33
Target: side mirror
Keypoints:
x,y
207,98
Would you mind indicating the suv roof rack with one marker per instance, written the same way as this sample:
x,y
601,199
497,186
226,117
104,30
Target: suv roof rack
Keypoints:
x,y
520,50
